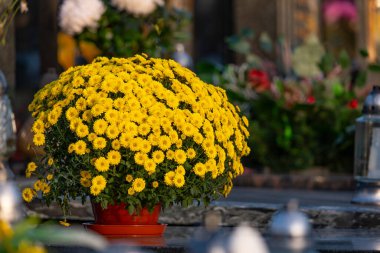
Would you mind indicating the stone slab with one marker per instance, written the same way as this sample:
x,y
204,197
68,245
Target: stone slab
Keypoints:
x,y
326,209
178,239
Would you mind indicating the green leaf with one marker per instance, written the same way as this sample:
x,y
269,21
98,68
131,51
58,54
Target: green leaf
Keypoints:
x,y
361,79
374,67
363,53
241,46
337,89
266,42
131,209
327,63
344,59
247,33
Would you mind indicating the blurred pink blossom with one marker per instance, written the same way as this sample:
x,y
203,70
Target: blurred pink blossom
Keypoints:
x,y
335,10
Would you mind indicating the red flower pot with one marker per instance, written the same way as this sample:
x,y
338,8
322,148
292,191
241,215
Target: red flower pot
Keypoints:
x,y
119,215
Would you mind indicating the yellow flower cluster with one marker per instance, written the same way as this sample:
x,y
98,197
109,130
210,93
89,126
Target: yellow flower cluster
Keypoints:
x,y
10,241
149,122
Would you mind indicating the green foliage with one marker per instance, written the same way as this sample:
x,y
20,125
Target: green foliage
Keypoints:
x,y
304,120
121,34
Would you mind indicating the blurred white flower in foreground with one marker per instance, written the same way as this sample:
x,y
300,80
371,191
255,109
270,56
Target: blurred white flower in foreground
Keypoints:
x,y
137,7
75,15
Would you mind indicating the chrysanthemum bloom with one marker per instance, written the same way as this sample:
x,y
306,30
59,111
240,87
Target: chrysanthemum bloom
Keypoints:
x,y
75,15
138,131
137,7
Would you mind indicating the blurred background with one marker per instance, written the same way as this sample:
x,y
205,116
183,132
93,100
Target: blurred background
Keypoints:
x,y
298,69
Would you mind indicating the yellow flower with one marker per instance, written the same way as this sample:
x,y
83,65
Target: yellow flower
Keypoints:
x,y
38,126
99,181
114,157
78,81
129,178
74,123
82,130
138,184
50,161
37,185
198,138
188,129
80,147
179,180
131,128
179,143
112,115
31,166
71,113
28,194
145,146
28,174
64,223
49,177
180,156
85,182
115,144
140,158
97,109
102,164
39,139
164,142
245,120
91,136
87,116
211,152
135,144
71,148
112,131
100,126
131,191
81,104
170,154
150,166
95,190
180,170
169,176
191,153
155,184
45,188
144,129
99,143
5,229
85,174
199,169
158,156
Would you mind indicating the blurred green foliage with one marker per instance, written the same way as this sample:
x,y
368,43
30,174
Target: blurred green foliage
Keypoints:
x,y
120,34
302,107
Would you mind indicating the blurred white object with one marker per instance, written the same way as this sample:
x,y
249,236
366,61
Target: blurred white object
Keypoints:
x,y
137,7
245,239
182,57
290,231
7,129
290,222
76,15
10,202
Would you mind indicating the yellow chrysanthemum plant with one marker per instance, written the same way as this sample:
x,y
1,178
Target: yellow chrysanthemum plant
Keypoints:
x,y
140,131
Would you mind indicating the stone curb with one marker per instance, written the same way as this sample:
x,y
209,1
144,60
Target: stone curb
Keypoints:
x,y
234,213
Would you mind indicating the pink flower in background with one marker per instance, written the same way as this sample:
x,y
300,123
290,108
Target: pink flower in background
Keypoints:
x,y
259,80
335,10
